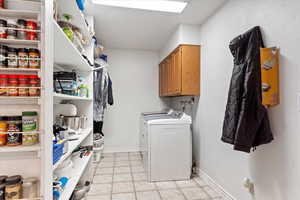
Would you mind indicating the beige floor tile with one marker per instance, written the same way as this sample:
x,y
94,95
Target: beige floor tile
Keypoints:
x,y
137,169
122,159
136,163
139,176
166,185
123,196
122,170
149,195
124,163
108,159
135,157
212,193
124,187
105,197
200,182
100,189
105,170
122,178
194,193
135,153
108,155
144,186
106,164
121,154
186,184
104,178
171,195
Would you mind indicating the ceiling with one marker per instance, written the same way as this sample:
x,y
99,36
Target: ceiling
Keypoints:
x,y
148,30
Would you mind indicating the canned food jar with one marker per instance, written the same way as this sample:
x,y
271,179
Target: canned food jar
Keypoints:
x,y
2,4
22,35
30,188
14,137
23,58
3,29
12,29
30,127
3,131
3,56
23,84
13,84
12,57
2,187
34,82
34,58
31,25
13,187
3,84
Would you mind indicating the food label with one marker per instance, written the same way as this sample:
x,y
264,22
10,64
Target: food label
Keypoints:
x,y
29,125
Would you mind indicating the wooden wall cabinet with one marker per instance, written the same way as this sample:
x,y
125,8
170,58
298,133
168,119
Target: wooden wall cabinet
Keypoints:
x,y
179,73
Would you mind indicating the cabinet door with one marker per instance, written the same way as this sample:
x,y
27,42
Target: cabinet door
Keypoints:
x,y
168,77
163,78
190,70
176,57
160,85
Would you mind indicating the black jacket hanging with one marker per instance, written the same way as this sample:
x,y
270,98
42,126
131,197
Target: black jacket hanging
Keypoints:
x,y
246,122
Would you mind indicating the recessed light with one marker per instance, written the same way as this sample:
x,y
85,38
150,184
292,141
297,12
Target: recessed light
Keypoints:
x,y
154,5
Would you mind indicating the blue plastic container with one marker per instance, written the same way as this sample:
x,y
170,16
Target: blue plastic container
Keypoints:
x,y
57,152
80,4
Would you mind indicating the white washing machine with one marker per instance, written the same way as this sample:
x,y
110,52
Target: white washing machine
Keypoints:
x,y
146,116
167,147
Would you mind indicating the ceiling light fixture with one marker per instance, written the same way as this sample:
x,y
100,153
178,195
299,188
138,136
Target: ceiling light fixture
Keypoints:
x,y
154,5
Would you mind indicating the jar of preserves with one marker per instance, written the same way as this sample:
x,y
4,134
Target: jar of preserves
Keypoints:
x,y
2,187
34,82
13,187
30,188
3,29
12,57
23,58
14,128
22,35
3,131
23,85
13,85
30,127
31,25
2,4
34,58
3,84
12,29
3,56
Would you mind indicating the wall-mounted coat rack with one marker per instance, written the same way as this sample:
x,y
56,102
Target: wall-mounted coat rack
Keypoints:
x,y
270,76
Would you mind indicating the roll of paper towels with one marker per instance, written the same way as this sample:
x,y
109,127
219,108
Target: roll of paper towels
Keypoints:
x,y
65,109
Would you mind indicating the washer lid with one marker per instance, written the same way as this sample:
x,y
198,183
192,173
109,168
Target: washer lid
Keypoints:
x,y
183,119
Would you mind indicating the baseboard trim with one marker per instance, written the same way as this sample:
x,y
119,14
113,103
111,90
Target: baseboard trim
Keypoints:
x,y
214,184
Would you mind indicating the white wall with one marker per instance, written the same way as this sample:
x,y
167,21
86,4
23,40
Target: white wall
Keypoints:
x,y
135,87
184,34
274,168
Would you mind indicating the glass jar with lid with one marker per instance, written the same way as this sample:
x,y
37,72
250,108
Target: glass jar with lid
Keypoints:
x,y
23,58
13,187
13,83
14,128
3,56
30,188
3,130
12,29
12,55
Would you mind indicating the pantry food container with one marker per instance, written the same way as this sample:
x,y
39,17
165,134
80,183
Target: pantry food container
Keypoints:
x,y
30,128
13,187
30,188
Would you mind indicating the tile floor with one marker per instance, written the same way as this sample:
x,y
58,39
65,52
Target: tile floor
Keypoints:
x,y
121,176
